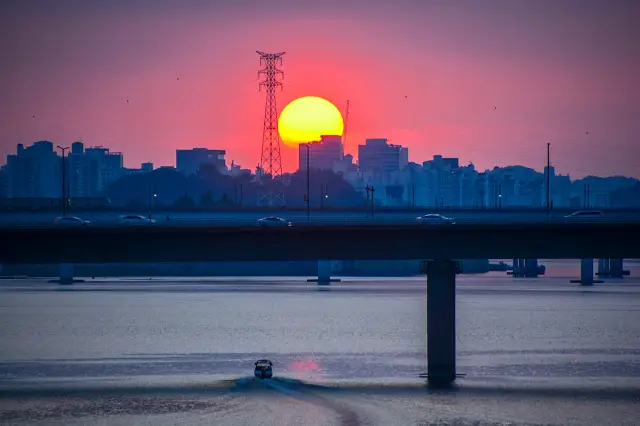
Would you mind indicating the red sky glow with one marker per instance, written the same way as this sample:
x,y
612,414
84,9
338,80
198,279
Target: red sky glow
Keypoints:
x,y
425,74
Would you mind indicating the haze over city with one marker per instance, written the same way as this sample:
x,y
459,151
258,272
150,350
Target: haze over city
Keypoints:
x,y
435,221
489,82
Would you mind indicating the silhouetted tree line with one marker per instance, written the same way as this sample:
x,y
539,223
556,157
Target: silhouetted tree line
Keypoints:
x,y
210,189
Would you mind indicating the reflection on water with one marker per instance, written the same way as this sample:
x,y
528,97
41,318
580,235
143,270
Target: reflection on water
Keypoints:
x,y
365,337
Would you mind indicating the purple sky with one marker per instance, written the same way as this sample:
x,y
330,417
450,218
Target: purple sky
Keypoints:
x,y
426,74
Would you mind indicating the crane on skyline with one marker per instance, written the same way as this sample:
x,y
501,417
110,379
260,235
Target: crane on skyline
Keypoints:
x,y
346,122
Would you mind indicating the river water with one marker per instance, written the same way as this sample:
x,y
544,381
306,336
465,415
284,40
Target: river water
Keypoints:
x,y
181,351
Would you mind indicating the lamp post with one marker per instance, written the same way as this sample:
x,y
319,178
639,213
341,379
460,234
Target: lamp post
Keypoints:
x,y
63,149
367,189
548,177
366,205
152,198
372,201
308,196
324,194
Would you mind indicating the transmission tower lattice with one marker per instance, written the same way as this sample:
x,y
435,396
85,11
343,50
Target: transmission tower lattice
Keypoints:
x,y
270,159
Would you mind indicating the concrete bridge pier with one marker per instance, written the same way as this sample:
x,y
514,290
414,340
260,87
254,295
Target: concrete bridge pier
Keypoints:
x,y
65,271
324,273
531,268
441,322
613,268
525,268
616,268
517,267
603,267
586,273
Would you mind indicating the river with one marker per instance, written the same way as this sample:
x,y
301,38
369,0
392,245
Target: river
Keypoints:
x,y
180,351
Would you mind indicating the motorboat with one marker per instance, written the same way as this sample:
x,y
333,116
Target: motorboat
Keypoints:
x,y
264,369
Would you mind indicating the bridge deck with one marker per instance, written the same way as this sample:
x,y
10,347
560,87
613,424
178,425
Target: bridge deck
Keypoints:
x,y
369,242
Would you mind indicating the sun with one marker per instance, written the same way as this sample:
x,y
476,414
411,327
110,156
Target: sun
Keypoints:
x,y
307,118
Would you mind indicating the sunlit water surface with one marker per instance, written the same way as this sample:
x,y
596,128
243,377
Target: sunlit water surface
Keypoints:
x,y
166,351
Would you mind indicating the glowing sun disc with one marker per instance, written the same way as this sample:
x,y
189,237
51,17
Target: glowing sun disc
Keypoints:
x,y
307,118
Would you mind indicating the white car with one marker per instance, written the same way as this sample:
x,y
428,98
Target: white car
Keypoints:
x,y
585,215
273,221
70,221
136,220
435,219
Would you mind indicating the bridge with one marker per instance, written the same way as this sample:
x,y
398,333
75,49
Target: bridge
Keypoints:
x,y
318,217
357,242
439,245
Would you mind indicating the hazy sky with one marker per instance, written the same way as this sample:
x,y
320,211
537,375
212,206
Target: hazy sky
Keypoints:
x,y
426,74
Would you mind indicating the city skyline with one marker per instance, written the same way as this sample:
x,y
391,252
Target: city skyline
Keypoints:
x,y
355,156
147,166
490,84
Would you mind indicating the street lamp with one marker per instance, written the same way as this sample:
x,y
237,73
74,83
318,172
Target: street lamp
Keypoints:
x,y
372,189
307,198
324,194
366,188
63,149
372,201
152,198
548,177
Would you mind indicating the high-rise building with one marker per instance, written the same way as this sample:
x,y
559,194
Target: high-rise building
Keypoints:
x,y
78,171
103,168
188,161
91,170
441,163
323,155
378,156
34,172
4,182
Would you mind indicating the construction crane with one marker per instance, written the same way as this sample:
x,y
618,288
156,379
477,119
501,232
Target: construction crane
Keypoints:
x,y
346,122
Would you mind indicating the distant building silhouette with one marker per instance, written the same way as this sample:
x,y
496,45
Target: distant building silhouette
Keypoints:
x,y
188,161
323,155
34,171
92,169
378,156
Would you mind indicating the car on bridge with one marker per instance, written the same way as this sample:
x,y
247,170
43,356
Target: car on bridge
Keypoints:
x,y
435,219
273,221
585,215
70,221
134,219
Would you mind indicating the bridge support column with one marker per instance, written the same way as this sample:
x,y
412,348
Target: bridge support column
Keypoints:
x,y
525,268
616,268
516,267
324,273
603,267
613,268
531,268
65,271
586,273
441,322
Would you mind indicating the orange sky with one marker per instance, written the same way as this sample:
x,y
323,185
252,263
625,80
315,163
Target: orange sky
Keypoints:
x,y
425,74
